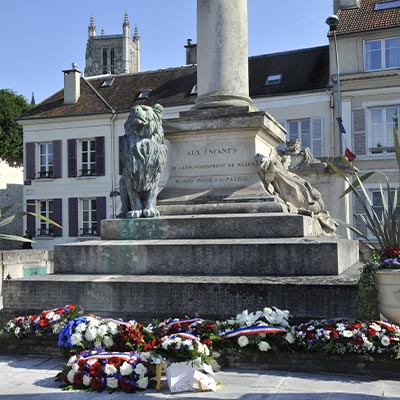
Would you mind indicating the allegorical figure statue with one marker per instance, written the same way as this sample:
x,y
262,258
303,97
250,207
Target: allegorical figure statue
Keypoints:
x,y
143,155
293,190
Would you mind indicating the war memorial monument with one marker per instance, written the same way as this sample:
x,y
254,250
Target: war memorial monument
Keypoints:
x,y
236,229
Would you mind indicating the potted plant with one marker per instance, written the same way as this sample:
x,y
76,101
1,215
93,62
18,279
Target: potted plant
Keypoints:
x,y
384,225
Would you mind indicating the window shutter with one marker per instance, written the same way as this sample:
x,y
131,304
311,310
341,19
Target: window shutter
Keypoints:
x,y
57,217
73,216
317,137
30,166
359,210
359,140
121,167
101,211
72,170
30,219
100,162
57,173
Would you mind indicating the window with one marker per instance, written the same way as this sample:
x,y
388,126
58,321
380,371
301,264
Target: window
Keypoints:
x,y
387,4
88,157
46,210
89,217
144,94
309,131
194,89
382,121
112,61
273,79
382,54
105,61
46,160
108,82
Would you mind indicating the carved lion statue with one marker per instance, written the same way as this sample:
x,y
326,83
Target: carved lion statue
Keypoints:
x,y
143,154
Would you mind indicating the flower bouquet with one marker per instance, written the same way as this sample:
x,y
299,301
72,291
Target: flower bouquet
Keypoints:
x,y
253,328
97,371
184,357
46,324
346,336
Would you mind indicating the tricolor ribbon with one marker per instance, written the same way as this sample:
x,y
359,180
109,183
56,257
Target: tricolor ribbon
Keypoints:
x,y
253,330
185,321
129,357
387,325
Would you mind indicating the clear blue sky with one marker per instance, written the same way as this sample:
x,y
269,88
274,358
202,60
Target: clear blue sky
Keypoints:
x,y
40,38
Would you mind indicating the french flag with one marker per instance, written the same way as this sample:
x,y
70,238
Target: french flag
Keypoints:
x,y
347,153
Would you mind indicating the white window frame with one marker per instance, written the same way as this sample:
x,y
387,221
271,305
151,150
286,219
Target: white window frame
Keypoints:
x,y
382,54
313,135
45,159
45,228
387,134
88,167
88,224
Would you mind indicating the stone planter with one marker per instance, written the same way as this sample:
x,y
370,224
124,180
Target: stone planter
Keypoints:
x,y
387,282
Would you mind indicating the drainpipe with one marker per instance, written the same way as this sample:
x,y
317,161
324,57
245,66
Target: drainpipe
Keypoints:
x,y
112,119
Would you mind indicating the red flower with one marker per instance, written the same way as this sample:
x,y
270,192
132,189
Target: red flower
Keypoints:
x,y
59,311
328,327
354,326
209,326
207,342
334,334
78,379
303,327
96,384
114,361
393,342
70,306
310,334
126,385
32,318
357,340
81,363
95,369
44,323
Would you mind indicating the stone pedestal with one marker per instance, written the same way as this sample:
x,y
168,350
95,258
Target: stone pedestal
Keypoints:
x,y
213,156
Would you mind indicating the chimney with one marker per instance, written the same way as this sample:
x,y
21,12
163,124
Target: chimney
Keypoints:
x,y
340,4
191,52
72,85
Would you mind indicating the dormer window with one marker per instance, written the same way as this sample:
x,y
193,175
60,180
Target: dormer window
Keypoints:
x,y
194,89
108,82
387,4
144,94
275,79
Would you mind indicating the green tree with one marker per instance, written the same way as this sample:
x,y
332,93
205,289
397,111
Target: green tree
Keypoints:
x,y
12,106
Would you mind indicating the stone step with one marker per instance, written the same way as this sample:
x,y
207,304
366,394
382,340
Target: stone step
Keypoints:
x,y
236,257
144,297
219,226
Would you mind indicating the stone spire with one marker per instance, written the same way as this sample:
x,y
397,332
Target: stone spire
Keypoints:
x,y
222,54
126,27
33,102
92,27
136,35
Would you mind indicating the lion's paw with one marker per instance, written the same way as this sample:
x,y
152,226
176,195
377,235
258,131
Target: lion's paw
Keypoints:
x,y
135,214
151,212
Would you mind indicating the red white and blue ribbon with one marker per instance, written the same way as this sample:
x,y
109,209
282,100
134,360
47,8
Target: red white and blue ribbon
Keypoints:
x,y
185,321
253,330
386,325
183,335
129,357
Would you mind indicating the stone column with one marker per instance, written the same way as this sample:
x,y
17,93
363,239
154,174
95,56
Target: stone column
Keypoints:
x,y
222,54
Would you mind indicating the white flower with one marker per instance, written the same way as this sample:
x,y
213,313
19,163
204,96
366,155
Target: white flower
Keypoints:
x,y
102,330
71,361
143,382
17,330
76,338
108,342
86,380
188,344
348,334
93,321
340,326
91,333
97,344
75,367
140,369
50,315
243,341
264,346
113,328
110,369
246,319
80,328
70,375
385,341
56,317
125,369
112,383
290,338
